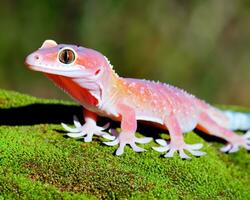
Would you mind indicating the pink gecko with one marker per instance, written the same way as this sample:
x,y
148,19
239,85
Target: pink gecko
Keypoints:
x,y
88,77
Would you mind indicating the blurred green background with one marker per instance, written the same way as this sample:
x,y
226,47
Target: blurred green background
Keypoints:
x,y
200,46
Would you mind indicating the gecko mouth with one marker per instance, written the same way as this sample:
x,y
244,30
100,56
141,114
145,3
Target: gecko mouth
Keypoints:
x,y
73,72
32,67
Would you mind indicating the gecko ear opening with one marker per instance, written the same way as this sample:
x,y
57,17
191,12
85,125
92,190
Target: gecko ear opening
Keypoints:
x,y
48,43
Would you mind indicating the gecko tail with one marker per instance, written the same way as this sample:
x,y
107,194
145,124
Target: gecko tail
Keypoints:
x,y
238,120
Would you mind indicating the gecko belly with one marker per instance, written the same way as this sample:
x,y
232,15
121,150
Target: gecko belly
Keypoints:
x,y
187,124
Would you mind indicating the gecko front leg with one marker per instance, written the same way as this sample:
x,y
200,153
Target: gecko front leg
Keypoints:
x,y
128,129
88,129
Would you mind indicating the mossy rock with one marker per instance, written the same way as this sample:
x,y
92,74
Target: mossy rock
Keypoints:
x,y
38,161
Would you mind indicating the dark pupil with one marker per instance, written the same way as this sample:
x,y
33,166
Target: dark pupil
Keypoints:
x,y
66,56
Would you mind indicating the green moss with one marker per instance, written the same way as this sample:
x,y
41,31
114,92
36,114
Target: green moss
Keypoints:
x,y
36,160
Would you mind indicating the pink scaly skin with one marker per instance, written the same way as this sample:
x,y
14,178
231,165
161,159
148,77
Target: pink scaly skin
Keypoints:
x,y
88,77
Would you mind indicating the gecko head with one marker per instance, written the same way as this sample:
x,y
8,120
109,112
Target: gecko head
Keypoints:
x,y
67,60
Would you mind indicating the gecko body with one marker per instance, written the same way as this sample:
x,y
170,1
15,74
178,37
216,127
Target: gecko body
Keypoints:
x,y
88,77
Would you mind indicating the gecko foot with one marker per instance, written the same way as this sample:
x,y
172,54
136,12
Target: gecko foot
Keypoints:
x,y
123,139
234,146
87,130
172,148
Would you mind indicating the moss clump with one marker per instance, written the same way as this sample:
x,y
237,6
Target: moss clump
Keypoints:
x,y
36,160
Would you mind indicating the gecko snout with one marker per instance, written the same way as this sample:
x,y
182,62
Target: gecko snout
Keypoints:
x,y
33,59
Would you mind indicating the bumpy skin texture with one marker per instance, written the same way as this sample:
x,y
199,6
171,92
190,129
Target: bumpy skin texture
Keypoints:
x,y
88,77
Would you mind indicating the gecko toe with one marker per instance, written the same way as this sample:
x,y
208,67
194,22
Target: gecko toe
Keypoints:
x,y
67,128
195,146
76,122
108,137
197,153
120,149
161,142
136,148
89,137
247,135
194,149
226,148
234,149
183,155
161,149
76,135
143,140
112,143
247,147
170,153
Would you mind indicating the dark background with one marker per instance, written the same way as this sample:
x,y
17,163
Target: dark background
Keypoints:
x,y
200,46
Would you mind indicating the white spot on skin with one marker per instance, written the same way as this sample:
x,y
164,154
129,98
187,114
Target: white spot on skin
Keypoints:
x,y
142,90
133,84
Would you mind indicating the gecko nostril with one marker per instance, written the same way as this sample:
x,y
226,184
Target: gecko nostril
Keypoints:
x,y
36,57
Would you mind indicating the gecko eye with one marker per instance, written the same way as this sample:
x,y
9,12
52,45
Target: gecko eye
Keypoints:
x,y
66,56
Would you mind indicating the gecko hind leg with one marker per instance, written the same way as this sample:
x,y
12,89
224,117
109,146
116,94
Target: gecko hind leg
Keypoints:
x,y
234,141
88,130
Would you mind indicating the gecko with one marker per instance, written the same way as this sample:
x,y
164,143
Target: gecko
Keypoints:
x,y
89,78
